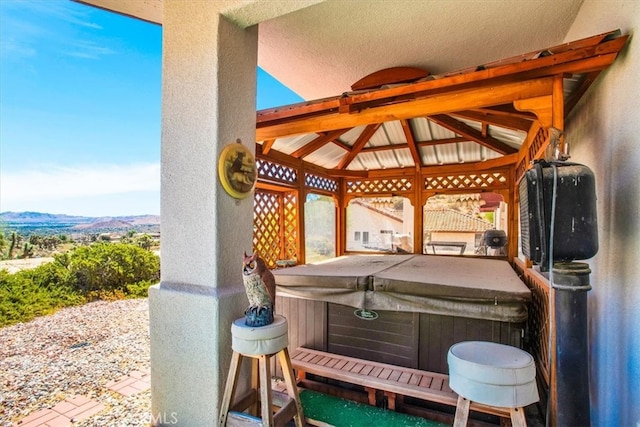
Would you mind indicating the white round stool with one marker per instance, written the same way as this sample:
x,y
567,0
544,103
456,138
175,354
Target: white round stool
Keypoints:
x,y
494,375
260,344
257,340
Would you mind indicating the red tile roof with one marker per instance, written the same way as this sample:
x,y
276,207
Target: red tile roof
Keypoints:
x,y
451,220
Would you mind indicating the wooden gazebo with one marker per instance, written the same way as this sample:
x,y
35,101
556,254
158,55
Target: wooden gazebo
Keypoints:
x,y
404,132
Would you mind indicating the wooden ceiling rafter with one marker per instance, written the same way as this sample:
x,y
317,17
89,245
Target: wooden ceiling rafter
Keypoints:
x,y
472,134
506,110
418,143
266,145
587,80
443,141
487,118
413,148
323,139
443,103
362,140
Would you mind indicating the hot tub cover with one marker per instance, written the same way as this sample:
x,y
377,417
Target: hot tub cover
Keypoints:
x,y
343,280
455,286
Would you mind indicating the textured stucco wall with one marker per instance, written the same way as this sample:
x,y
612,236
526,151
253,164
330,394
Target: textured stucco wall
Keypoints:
x,y
208,102
604,134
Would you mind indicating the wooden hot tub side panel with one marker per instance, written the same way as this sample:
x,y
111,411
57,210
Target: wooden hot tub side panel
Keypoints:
x,y
413,340
390,338
307,322
438,333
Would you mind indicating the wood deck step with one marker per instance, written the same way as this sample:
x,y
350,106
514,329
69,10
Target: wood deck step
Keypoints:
x,y
391,379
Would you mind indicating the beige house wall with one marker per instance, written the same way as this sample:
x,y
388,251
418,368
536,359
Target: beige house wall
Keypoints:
x,y
364,220
604,134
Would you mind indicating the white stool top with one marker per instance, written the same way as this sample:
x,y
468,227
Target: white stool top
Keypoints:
x,y
493,374
492,363
257,340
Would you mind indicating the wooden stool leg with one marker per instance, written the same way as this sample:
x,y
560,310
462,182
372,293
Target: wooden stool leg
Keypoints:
x,y
292,388
265,391
517,417
230,387
255,385
462,412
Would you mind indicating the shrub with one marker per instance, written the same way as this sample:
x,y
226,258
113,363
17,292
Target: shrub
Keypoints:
x,y
107,271
111,266
31,293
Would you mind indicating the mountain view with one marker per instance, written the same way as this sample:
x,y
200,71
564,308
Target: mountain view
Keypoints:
x,y
27,223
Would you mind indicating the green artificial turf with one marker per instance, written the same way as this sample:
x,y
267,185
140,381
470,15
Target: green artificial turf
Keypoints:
x,y
345,413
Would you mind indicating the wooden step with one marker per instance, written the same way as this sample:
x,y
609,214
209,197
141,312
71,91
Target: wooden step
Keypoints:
x,y
391,379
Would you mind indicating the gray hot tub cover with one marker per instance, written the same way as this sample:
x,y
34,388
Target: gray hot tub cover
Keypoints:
x,y
454,286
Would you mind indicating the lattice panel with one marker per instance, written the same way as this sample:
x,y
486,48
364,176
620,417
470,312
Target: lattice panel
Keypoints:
x,y
375,186
276,172
541,137
492,180
267,207
537,321
290,226
538,325
321,183
521,169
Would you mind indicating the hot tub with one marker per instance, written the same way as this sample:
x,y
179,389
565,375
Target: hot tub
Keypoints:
x,y
415,306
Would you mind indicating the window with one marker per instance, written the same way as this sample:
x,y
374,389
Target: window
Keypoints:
x,y
383,224
455,224
319,228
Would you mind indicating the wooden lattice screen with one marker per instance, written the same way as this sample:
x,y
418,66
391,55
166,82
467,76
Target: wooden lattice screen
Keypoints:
x,y
378,185
538,319
490,180
275,226
290,217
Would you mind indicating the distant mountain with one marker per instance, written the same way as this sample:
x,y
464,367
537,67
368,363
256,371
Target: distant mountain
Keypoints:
x,y
27,223
113,224
38,217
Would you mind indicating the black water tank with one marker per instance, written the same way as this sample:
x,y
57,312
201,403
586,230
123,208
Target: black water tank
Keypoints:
x,y
575,232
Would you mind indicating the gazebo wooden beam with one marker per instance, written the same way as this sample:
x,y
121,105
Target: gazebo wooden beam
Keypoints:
x,y
442,103
318,143
506,121
579,57
568,61
413,148
418,143
364,137
467,131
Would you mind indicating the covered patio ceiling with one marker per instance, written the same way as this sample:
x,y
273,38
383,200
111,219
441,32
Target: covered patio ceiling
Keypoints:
x,y
322,49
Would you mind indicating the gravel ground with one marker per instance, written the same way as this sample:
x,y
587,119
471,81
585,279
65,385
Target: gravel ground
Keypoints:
x,y
76,351
15,265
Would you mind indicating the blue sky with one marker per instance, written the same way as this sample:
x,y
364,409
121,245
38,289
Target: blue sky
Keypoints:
x,y
80,109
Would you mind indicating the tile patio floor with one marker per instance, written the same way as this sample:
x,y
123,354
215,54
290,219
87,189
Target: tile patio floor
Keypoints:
x,y
77,408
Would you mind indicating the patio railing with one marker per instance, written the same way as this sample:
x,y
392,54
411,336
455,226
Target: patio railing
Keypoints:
x,y
538,321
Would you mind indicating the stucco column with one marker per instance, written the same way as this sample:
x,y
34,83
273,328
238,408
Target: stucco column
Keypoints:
x,y
208,101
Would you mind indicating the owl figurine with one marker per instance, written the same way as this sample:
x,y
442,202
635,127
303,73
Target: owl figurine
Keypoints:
x,y
260,286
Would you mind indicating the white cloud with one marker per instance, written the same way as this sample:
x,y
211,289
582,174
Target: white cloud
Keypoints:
x,y
55,183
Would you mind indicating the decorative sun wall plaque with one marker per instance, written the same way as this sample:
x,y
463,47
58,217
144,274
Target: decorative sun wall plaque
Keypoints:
x,y
237,170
